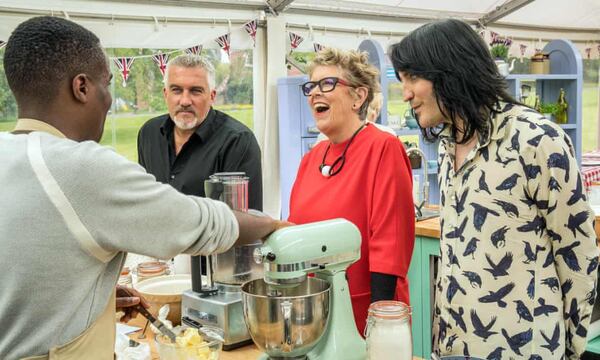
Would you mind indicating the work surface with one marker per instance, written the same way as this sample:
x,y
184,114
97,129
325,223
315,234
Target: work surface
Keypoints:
x,y
431,227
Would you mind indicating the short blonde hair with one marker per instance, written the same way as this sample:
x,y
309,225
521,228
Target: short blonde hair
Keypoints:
x,y
375,107
356,67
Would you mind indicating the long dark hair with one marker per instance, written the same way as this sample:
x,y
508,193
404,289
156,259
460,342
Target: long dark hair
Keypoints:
x,y
466,81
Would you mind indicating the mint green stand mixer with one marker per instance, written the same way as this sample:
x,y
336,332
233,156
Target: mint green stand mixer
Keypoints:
x,y
293,316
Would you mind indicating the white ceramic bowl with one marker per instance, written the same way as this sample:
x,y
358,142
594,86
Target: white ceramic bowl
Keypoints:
x,y
162,290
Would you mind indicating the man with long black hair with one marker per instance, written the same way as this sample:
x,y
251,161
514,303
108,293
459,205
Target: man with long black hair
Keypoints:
x,y
519,256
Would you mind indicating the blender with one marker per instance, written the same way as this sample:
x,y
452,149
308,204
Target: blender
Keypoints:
x,y
216,299
293,316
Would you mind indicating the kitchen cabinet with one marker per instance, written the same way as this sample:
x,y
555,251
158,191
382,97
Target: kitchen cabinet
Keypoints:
x,y
421,277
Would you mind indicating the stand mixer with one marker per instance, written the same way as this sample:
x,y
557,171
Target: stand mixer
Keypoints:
x,y
217,300
293,316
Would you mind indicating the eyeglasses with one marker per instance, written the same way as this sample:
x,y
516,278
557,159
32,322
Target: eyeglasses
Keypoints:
x,y
325,85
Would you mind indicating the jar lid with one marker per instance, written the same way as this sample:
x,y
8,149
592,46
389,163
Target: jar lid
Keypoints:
x,y
389,309
152,268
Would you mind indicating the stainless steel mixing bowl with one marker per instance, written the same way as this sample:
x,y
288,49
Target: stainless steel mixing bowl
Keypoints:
x,y
286,322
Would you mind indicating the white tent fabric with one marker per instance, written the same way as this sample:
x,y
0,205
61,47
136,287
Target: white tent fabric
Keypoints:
x,y
178,24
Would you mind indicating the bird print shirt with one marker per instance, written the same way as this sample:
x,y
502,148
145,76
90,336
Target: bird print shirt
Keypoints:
x,y
518,248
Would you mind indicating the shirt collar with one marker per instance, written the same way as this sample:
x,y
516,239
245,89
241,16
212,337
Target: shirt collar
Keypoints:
x,y
496,132
25,124
203,131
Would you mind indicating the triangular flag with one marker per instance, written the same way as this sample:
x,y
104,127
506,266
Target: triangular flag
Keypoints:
x,y
318,47
295,40
224,42
2,44
250,28
194,50
597,46
161,61
588,52
124,65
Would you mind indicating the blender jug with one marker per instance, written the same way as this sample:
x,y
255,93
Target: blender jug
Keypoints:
x,y
236,265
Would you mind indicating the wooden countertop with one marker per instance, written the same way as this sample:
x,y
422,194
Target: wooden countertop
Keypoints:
x,y
428,228
431,227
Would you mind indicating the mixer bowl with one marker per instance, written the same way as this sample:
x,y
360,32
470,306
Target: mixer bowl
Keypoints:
x,y
286,322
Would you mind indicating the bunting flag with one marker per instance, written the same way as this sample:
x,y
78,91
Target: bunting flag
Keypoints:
x,y
588,52
250,28
194,50
161,61
295,40
482,33
2,44
124,65
318,47
597,46
224,42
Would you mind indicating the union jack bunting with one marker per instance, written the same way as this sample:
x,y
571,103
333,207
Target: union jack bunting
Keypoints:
x,y
124,65
318,47
224,42
161,60
250,28
588,52
522,48
194,50
295,40
2,44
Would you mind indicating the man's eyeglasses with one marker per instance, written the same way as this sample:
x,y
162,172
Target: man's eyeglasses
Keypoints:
x,y
325,85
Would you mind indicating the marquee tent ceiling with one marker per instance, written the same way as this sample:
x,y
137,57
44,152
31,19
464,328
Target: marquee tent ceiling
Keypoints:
x,y
181,23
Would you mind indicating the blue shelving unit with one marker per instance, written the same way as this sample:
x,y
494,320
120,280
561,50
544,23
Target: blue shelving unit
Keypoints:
x,y
566,72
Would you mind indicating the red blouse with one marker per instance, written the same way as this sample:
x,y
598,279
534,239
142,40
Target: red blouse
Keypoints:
x,y
374,191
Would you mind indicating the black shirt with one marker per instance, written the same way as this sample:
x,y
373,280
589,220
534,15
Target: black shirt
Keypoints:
x,y
219,144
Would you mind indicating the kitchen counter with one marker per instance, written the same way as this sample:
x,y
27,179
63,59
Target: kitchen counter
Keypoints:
x,y
431,227
428,228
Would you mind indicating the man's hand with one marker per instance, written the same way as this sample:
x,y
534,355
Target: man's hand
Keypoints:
x,y
280,224
127,301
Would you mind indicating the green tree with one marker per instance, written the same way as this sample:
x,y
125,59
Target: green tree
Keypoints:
x,y
8,105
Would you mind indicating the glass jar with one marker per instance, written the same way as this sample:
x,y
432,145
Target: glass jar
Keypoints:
x,y
125,277
151,269
388,331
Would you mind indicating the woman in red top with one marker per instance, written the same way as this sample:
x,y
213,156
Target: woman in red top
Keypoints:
x,y
361,174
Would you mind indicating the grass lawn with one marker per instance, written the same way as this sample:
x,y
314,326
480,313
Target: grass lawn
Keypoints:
x,y
120,131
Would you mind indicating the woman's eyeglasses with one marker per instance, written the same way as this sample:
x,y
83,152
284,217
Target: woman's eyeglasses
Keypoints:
x,y
325,85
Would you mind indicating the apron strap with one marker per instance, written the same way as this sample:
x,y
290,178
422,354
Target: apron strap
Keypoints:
x,y
60,201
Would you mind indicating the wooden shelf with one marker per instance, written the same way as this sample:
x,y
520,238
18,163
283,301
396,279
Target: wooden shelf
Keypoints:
x,y
542,77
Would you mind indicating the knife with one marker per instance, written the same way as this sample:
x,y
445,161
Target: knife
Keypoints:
x,y
159,324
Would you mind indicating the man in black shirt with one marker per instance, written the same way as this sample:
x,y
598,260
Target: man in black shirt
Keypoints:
x,y
193,141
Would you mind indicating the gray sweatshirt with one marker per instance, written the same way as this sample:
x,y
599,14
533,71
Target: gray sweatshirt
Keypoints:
x,y
61,255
